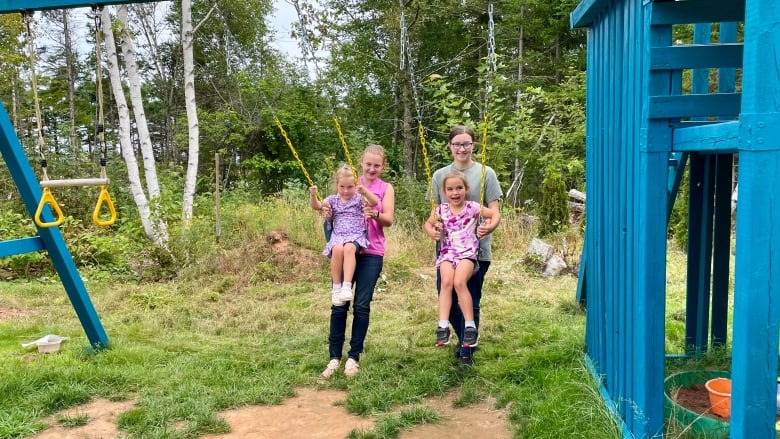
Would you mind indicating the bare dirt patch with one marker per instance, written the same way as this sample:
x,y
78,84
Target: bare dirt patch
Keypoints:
x,y
102,415
311,414
10,314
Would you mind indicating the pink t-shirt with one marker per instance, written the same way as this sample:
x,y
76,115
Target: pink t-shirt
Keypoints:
x,y
376,232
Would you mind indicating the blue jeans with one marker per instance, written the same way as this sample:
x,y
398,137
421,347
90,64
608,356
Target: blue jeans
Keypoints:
x,y
367,273
456,315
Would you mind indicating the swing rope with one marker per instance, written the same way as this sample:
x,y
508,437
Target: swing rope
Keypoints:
x,y
292,148
491,71
407,63
47,198
104,198
345,148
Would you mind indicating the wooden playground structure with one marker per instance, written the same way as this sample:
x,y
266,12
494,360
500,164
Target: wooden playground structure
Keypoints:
x,y
645,126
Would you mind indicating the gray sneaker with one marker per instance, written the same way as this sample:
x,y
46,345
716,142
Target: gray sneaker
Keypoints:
x,y
442,336
470,337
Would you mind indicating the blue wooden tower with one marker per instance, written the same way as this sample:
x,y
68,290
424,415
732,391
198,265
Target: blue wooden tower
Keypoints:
x,y
644,123
48,238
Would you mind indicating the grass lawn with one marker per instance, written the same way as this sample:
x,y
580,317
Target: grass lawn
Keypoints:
x,y
248,323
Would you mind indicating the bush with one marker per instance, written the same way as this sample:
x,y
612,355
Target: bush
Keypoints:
x,y
553,210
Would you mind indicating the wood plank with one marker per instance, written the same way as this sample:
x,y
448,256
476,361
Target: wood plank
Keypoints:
x,y
694,105
586,12
20,246
757,270
696,56
696,11
720,137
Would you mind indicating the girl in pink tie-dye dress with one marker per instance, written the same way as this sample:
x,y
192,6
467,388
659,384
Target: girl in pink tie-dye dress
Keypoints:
x,y
454,224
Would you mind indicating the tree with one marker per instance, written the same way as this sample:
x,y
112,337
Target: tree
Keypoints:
x,y
156,228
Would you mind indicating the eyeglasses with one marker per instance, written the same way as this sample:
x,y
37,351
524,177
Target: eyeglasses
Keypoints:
x,y
465,146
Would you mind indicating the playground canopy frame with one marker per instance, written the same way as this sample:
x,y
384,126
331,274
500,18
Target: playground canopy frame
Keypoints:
x,y
7,6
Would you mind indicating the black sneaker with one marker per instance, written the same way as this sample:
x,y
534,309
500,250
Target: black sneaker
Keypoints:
x,y
442,336
470,337
466,362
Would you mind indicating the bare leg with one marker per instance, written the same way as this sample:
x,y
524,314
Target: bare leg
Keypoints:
x,y
445,292
462,273
336,263
349,261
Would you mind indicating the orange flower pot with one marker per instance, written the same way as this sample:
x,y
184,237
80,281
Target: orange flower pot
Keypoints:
x,y
720,396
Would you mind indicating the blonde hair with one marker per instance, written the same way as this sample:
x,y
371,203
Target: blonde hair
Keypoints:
x,y
455,174
375,149
343,171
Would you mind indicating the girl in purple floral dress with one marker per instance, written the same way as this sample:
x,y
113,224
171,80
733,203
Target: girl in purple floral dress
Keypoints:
x,y
349,230
455,223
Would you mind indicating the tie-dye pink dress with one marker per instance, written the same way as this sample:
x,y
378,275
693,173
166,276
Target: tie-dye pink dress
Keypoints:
x,y
459,239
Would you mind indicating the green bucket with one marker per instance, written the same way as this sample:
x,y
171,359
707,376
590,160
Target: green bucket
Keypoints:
x,y
698,424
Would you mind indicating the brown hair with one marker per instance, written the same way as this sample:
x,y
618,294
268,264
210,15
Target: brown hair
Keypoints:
x,y
455,174
462,129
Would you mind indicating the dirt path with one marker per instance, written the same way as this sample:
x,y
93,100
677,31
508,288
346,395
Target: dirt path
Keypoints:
x,y
311,414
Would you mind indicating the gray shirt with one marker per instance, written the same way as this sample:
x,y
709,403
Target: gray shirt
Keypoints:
x,y
492,192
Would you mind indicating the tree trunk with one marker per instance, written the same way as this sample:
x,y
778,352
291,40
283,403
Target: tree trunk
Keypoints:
x,y
136,100
156,232
187,37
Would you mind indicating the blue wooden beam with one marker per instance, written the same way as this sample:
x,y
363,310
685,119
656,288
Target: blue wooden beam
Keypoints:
x,y
696,56
699,105
7,6
757,266
696,11
718,137
586,12
20,246
30,191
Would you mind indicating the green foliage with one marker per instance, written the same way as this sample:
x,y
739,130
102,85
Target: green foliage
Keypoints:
x,y
553,210
411,201
678,220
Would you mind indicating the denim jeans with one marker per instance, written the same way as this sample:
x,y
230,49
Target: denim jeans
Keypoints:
x,y
367,273
456,316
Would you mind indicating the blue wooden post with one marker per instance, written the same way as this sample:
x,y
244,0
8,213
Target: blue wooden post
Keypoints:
x,y
757,270
50,238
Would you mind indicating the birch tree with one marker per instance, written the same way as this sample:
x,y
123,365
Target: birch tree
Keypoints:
x,y
155,228
136,100
193,129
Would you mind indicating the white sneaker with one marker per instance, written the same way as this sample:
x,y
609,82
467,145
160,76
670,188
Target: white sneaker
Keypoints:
x,y
332,367
345,295
335,297
351,368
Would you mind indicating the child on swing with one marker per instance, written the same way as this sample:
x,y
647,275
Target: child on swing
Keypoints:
x,y
455,224
349,229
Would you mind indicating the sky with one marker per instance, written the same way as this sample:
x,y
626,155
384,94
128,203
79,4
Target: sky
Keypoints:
x,y
284,16
280,22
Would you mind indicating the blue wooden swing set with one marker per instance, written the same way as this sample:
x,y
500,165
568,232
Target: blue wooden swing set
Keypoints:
x,y
49,237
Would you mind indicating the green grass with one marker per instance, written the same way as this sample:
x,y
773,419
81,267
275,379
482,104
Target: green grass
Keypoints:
x,y
245,323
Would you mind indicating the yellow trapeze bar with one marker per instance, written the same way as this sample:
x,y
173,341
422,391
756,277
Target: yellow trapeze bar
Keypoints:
x,y
75,182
